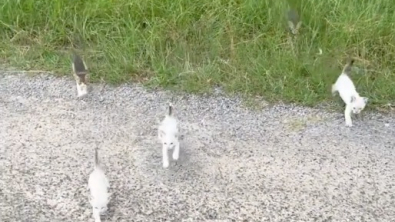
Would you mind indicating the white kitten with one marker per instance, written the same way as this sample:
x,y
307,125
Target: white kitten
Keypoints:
x,y
168,135
98,185
346,88
81,74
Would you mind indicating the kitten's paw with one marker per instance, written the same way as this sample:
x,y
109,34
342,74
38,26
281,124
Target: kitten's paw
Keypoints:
x,y
165,164
175,155
349,124
80,95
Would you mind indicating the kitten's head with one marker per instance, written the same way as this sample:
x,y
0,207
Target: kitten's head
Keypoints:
x,y
358,103
168,140
294,22
99,205
82,89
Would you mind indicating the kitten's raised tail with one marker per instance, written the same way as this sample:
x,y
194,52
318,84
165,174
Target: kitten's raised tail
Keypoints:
x,y
96,157
348,66
170,109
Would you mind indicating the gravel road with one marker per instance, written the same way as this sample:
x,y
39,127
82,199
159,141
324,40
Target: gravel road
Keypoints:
x,y
279,163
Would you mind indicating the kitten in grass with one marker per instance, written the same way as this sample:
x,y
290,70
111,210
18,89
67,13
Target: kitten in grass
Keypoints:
x,y
98,186
81,75
294,21
168,135
347,91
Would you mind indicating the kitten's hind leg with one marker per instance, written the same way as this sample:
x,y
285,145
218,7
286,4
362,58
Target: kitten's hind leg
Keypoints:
x,y
347,115
176,151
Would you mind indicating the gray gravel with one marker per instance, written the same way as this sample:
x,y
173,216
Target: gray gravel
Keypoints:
x,y
280,163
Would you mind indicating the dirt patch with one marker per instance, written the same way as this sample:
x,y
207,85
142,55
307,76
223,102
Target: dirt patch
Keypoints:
x,y
235,164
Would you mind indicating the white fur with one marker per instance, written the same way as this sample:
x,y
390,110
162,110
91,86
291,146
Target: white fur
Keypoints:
x,y
98,186
168,135
82,89
354,102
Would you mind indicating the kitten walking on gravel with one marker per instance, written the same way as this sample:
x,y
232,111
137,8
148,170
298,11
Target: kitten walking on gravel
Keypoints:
x,y
168,135
81,75
346,88
98,186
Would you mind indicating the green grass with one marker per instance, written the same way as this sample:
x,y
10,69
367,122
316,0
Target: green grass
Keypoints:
x,y
194,46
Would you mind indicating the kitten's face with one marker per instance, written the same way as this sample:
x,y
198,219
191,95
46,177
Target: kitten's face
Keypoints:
x,y
168,141
99,207
82,89
359,104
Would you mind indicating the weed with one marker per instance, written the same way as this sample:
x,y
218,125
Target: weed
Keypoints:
x,y
195,46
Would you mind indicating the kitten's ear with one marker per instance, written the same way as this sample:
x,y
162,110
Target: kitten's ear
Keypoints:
x,y
353,98
291,25
298,25
365,99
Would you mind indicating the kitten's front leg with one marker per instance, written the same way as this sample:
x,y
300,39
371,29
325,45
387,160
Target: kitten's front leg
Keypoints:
x,y
165,157
96,215
78,88
97,218
347,115
176,152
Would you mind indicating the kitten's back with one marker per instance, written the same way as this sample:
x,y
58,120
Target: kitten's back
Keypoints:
x,y
79,65
169,124
79,68
97,179
344,83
